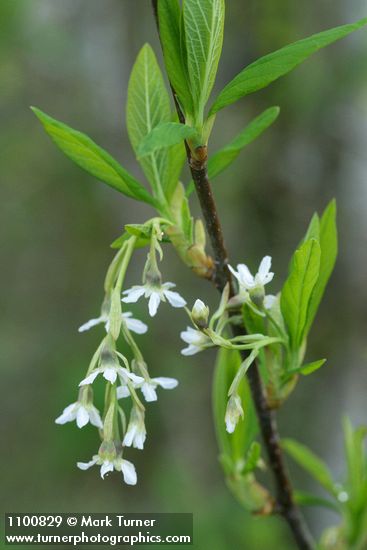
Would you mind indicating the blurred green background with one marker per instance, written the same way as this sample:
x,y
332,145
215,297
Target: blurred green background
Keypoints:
x,y
72,59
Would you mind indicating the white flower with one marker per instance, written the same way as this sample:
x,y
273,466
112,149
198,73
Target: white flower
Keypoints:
x,y
119,464
156,294
233,412
197,341
110,373
83,413
148,387
135,325
136,433
247,281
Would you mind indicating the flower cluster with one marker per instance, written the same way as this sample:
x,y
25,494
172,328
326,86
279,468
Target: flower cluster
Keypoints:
x,y
208,333
123,378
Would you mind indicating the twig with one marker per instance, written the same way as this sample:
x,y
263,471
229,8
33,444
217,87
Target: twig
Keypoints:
x,y
266,417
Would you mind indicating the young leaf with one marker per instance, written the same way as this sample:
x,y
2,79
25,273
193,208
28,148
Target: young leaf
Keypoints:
x,y
311,463
169,14
237,444
329,251
204,22
163,136
92,158
306,369
297,290
224,157
148,105
274,65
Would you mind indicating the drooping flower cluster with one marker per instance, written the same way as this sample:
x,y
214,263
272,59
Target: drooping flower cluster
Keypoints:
x,y
124,378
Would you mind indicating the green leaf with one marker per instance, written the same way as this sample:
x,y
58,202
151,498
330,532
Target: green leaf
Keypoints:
x,y
307,499
237,444
309,368
297,290
224,157
204,22
148,105
276,64
92,158
163,136
306,369
169,14
329,251
311,463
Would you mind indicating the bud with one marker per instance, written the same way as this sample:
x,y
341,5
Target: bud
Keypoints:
x,y
233,412
200,314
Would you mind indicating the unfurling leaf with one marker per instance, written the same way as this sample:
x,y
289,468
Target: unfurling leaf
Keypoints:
x,y
163,136
92,158
276,64
297,290
329,250
204,22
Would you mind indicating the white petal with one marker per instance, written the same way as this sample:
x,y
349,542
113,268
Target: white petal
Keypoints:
x,y
129,472
246,279
139,440
167,286
264,266
68,414
123,391
154,303
230,425
136,326
86,465
90,379
91,323
190,350
166,383
124,373
174,298
190,335
133,294
110,374
82,417
106,467
95,418
234,272
148,390
130,435
268,277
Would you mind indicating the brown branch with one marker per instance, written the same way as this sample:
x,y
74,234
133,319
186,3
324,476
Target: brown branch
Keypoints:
x,y
266,417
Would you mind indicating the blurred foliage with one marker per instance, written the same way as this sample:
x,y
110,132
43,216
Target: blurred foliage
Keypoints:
x,y
57,223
